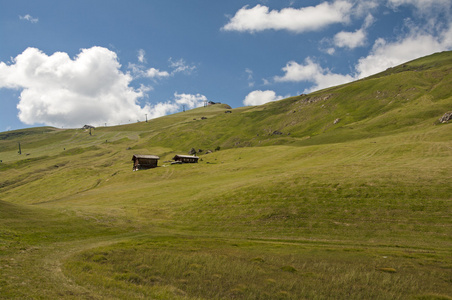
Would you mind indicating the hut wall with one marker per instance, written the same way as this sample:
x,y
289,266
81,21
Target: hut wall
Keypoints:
x,y
142,163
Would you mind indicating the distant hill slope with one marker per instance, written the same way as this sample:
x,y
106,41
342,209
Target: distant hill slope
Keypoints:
x,y
408,96
414,94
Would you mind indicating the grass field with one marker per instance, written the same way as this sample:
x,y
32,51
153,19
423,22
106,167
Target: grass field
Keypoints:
x,y
292,206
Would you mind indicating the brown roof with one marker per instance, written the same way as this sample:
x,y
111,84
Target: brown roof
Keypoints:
x,y
135,156
186,156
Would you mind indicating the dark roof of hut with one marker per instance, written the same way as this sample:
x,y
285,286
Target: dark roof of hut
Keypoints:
x,y
136,156
186,156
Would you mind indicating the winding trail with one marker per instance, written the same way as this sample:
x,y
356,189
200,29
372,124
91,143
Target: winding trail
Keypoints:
x,y
43,265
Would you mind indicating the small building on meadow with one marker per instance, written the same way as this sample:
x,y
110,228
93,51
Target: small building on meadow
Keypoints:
x,y
144,162
186,158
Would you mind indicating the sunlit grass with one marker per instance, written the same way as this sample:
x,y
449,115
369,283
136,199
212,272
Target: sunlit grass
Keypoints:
x,y
224,269
360,209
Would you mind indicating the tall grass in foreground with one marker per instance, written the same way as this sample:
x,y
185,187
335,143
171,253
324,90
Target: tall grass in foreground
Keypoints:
x,y
226,269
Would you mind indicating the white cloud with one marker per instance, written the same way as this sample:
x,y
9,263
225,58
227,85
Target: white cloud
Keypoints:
x,y
311,72
350,40
249,73
143,89
88,89
190,101
386,54
60,91
162,109
141,54
140,71
330,51
186,101
296,72
364,7
304,19
155,73
424,6
430,13
354,39
29,18
430,31
180,66
368,21
261,97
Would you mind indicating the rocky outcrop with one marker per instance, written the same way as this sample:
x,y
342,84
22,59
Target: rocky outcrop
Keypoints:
x,y
446,118
315,99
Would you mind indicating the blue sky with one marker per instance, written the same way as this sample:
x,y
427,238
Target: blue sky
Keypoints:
x,y
71,63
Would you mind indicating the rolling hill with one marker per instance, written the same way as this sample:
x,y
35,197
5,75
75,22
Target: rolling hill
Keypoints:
x,y
343,193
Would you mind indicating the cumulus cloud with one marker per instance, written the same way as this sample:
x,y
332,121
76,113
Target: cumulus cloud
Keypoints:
x,y
29,18
155,73
180,101
354,39
88,89
260,97
430,31
304,19
60,91
162,109
350,40
385,54
311,72
190,101
420,41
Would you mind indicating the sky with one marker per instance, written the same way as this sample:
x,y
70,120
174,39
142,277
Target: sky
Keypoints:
x,y
109,62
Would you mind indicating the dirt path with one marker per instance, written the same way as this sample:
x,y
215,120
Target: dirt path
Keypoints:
x,y
26,274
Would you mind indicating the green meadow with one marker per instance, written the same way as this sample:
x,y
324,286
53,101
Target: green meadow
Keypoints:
x,y
344,193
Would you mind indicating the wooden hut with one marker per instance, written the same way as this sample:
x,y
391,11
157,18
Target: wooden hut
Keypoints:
x,y
186,158
143,162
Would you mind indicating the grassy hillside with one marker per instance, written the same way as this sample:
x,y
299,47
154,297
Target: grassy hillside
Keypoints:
x,y
343,193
